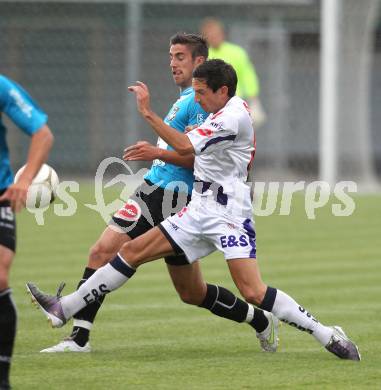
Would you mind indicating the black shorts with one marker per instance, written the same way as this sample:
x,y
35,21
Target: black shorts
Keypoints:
x,y
146,208
7,225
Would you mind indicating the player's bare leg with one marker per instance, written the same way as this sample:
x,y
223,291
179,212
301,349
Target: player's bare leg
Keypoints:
x,y
246,275
188,282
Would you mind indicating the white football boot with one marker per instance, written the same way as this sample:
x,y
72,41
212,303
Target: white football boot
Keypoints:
x,y
268,338
68,345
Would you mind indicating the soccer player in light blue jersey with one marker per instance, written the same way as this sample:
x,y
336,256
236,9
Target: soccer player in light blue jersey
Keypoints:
x,y
170,178
16,103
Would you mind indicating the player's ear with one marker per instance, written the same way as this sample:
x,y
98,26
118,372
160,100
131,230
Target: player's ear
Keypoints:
x,y
224,90
199,60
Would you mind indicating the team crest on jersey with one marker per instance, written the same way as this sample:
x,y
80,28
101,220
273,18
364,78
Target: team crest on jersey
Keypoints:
x,y
200,119
131,211
172,114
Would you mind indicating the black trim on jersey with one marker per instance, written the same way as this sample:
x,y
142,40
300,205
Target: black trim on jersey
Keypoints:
x,y
231,137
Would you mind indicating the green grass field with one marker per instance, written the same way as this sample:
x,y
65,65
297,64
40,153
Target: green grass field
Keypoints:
x,y
145,338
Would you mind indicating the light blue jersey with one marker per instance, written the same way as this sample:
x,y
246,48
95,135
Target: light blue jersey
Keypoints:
x,y
185,112
16,103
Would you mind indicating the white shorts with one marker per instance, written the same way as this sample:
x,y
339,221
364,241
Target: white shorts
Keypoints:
x,y
197,232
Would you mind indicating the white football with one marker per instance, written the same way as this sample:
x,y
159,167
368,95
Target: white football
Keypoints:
x,y
42,191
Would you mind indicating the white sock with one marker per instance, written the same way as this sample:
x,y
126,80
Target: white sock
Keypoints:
x,y
104,280
287,310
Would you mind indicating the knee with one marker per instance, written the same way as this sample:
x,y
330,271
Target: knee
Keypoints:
x,y
130,252
253,295
189,297
98,256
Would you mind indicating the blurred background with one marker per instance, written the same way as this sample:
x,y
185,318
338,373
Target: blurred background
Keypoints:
x,y
318,63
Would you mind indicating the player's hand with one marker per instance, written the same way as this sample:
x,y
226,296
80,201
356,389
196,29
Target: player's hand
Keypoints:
x,y
190,128
16,194
257,112
142,97
141,151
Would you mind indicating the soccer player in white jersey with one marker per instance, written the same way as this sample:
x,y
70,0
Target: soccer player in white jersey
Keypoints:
x,y
219,215
159,196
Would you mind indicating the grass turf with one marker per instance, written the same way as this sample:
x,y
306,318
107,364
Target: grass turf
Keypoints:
x,y
145,338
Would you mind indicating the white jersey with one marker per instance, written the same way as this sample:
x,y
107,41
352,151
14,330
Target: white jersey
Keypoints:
x,y
224,147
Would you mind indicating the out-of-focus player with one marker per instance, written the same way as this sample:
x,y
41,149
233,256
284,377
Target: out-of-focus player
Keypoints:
x,y
16,103
248,86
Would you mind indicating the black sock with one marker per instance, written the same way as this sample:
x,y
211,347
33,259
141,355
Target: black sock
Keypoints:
x,y
224,303
269,299
259,321
8,322
79,334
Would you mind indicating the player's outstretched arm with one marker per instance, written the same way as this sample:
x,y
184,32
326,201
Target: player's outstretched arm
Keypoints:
x,y
144,151
178,141
40,145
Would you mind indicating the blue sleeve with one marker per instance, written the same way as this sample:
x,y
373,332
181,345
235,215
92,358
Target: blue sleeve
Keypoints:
x,y
16,103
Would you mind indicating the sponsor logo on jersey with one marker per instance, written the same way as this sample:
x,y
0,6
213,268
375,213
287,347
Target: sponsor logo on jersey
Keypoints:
x,y
131,211
171,116
182,211
21,103
158,163
217,125
205,132
234,241
174,226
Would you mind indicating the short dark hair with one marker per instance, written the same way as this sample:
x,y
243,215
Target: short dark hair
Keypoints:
x,y
216,74
197,43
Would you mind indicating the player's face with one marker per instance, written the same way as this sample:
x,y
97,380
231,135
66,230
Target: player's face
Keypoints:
x,y
182,65
210,101
214,35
